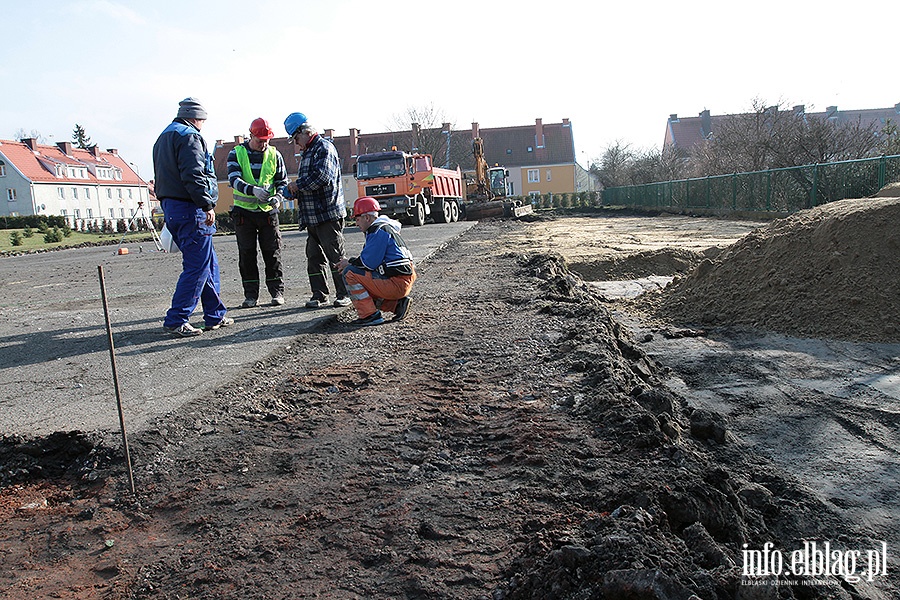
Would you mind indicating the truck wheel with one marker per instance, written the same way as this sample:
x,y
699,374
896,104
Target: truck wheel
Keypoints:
x,y
454,211
418,219
443,213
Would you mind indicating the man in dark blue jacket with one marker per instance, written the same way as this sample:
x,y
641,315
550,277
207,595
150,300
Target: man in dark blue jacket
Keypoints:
x,y
185,184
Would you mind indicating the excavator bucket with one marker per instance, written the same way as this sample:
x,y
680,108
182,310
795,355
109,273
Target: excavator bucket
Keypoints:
x,y
508,209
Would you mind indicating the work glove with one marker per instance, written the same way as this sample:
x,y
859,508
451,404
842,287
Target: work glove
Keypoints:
x,y
275,201
262,194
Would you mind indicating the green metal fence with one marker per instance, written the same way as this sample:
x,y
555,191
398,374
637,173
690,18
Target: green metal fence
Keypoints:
x,y
776,190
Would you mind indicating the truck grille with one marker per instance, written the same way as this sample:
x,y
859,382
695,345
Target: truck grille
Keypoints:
x,y
380,190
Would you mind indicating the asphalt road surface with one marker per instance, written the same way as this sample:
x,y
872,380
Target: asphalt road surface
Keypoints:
x,y
55,366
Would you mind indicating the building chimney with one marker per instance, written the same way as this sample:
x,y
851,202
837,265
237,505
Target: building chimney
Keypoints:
x,y
565,122
539,133
238,139
673,118
475,131
113,151
31,143
329,133
95,151
416,130
829,112
800,110
65,147
705,124
445,127
354,141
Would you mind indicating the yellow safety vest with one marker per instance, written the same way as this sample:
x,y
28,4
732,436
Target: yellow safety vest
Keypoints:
x,y
266,175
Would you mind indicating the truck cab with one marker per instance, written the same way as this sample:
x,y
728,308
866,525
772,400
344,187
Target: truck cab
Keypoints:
x,y
409,186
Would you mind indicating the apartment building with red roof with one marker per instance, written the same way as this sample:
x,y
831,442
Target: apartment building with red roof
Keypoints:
x,y
540,157
83,185
684,133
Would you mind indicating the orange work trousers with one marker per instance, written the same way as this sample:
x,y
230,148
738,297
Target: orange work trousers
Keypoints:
x,y
365,290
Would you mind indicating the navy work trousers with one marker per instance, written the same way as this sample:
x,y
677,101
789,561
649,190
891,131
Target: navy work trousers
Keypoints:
x,y
199,279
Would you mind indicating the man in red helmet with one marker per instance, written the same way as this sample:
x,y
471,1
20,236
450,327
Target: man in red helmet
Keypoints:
x,y
256,172
381,277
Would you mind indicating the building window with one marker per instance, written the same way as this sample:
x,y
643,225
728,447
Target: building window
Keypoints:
x,y
119,192
63,212
534,176
11,194
90,213
77,213
121,213
75,193
534,194
130,194
87,193
61,192
2,169
549,173
112,213
109,193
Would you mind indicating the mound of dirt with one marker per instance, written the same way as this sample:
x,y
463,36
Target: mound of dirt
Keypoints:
x,y
665,262
825,272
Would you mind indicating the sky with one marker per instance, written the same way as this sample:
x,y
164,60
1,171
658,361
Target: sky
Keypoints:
x,y
616,70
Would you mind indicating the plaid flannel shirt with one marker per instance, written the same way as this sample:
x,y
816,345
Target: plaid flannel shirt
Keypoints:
x,y
319,190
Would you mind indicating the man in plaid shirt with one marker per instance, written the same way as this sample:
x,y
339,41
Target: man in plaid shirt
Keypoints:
x,y
320,204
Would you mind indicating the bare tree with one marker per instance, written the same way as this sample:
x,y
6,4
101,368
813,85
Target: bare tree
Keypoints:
x,y
21,134
612,168
427,130
772,137
889,138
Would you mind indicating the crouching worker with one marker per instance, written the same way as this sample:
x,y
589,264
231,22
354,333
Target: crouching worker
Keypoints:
x,y
380,278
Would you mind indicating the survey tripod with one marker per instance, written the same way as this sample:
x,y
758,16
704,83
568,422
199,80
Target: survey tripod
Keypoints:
x,y
141,217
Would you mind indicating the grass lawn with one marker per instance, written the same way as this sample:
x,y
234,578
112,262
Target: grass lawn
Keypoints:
x,y
36,241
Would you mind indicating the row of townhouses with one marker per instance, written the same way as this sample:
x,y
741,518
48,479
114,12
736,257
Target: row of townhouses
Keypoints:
x,y
540,157
83,185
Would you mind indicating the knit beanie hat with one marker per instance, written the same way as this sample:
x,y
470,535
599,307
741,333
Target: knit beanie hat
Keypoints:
x,y
190,108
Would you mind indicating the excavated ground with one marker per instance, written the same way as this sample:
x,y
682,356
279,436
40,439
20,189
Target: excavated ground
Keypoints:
x,y
519,436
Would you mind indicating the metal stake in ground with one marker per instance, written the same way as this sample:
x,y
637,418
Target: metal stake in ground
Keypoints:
x,y
112,358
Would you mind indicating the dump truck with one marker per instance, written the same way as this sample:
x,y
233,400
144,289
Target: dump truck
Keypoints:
x,y
486,194
408,186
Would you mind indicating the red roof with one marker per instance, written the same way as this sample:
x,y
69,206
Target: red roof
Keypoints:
x,y
39,164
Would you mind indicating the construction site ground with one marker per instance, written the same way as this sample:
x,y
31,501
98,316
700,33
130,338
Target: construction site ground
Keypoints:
x,y
536,428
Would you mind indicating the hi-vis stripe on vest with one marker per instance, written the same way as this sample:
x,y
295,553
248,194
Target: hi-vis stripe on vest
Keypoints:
x,y
266,176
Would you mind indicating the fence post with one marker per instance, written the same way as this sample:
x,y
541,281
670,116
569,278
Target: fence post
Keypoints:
x,y
734,191
815,185
882,171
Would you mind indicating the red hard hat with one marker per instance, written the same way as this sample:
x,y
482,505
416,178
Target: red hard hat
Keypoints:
x,y
365,205
260,128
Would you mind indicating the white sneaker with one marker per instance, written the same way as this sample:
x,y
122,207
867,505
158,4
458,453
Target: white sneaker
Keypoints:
x,y
342,301
277,300
184,330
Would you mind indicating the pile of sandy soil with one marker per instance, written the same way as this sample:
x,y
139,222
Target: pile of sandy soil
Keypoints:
x,y
825,272
664,262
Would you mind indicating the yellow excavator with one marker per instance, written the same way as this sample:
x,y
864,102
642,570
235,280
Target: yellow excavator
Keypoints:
x,y
486,195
